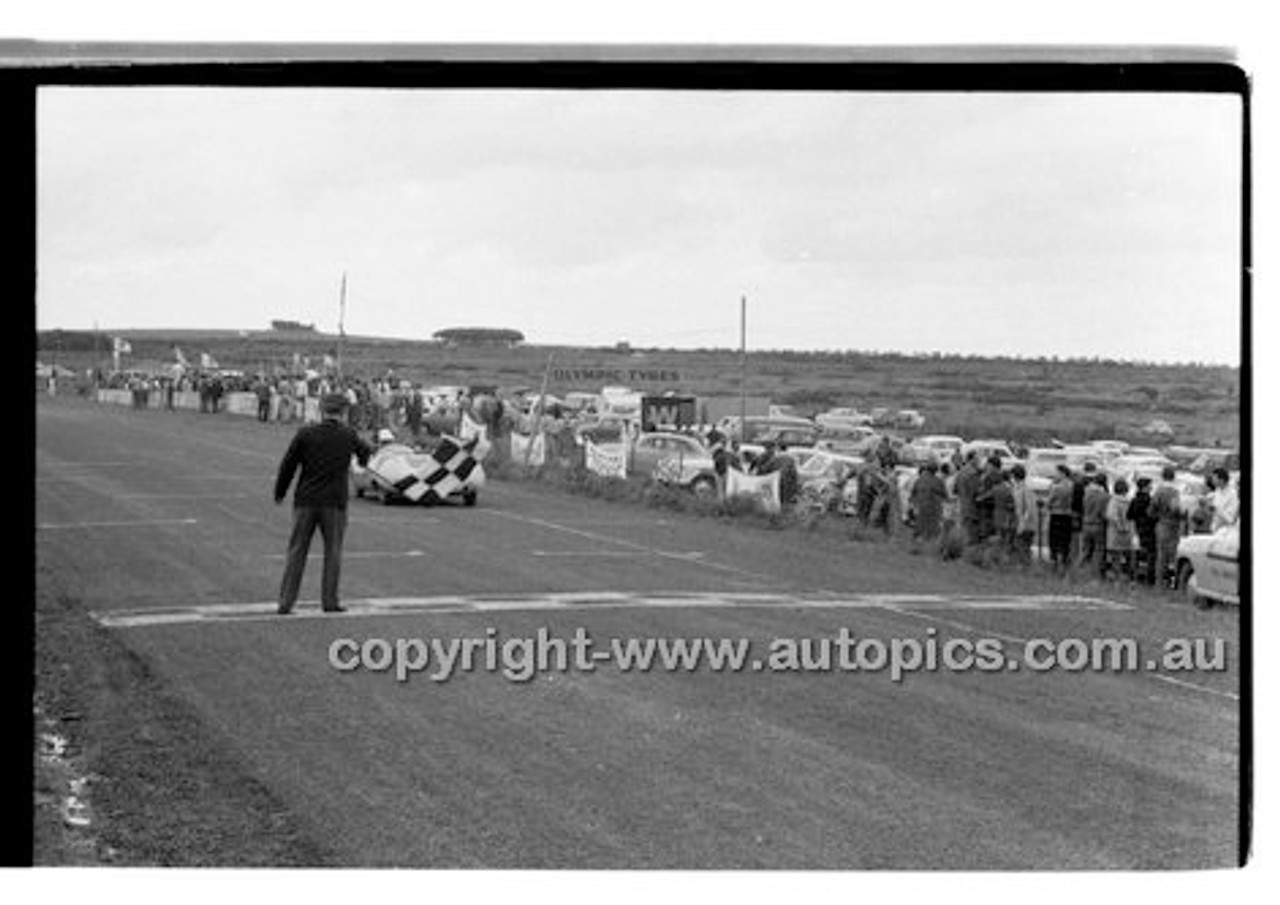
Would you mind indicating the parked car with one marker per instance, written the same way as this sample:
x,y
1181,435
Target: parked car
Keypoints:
x,y
909,419
1209,566
842,418
674,458
985,449
788,437
937,447
851,445
759,425
1042,463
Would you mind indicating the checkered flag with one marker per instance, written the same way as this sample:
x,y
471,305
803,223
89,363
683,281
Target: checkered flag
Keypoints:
x,y
431,477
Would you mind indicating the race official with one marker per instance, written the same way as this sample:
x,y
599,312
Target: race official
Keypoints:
x,y
320,454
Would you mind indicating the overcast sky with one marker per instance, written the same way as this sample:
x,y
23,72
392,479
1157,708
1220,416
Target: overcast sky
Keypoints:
x,y
998,223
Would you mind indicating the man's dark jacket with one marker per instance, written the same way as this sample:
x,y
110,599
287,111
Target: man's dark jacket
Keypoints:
x,y
323,452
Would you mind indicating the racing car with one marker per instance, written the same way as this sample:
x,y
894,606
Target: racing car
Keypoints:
x,y
449,470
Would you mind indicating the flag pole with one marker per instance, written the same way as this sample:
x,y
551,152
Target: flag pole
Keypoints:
x,y
342,317
742,377
537,412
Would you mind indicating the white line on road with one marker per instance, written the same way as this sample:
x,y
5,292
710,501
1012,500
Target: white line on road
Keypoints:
x,y
178,496
356,554
1181,683
571,600
691,555
137,523
632,545
930,617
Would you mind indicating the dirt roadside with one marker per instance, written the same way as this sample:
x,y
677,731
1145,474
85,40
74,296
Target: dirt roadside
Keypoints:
x,y
126,774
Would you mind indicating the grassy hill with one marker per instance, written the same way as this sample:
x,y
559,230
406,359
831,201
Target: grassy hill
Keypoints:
x,y
1027,399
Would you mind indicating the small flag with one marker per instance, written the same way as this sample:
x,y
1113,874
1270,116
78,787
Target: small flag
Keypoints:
x,y
121,346
764,489
207,360
181,359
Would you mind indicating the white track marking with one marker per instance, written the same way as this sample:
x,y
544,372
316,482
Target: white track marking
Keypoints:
x,y
581,601
930,617
1182,683
357,554
590,553
178,496
137,523
632,545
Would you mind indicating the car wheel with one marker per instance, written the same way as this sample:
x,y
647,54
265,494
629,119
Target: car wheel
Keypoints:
x,y
469,497
1185,571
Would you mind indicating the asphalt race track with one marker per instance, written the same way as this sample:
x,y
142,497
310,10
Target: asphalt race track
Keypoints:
x,y
163,525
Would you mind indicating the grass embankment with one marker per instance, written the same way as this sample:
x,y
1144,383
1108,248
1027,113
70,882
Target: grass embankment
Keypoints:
x,y
158,787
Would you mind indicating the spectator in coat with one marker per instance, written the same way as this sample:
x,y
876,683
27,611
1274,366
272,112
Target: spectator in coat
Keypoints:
x,y
928,495
992,476
968,486
1061,519
1093,528
1167,508
1004,511
1120,534
1224,501
1026,515
1143,517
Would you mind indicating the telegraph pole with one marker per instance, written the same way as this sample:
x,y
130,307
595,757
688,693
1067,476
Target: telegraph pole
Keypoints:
x,y
742,377
342,317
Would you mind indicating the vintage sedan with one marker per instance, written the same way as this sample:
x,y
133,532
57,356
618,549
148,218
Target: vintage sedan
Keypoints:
x,y
1209,566
937,447
674,458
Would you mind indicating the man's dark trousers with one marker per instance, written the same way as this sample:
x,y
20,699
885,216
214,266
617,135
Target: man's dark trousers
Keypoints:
x,y
332,522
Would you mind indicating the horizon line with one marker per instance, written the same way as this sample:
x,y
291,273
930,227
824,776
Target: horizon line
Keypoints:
x,y
233,332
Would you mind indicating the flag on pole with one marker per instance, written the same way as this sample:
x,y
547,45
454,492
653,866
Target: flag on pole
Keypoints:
x,y
120,346
764,489
179,357
607,461
207,360
529,450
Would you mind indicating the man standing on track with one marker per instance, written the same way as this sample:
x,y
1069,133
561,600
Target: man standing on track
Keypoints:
x,y
323,452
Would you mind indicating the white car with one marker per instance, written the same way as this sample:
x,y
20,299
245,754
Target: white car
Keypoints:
x,y
1209,566
985,449
397,472
674,458
937,447
909,419
842,419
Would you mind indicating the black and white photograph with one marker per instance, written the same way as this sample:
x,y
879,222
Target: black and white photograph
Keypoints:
x,y
718,460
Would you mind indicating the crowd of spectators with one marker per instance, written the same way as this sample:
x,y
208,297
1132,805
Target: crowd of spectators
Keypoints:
x,y
1086,521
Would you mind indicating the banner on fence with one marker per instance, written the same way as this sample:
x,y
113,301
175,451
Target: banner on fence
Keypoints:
x,y
764,489
526,450
607,461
